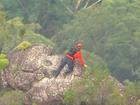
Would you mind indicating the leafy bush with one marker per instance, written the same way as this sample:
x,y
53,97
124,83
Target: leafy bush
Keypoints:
x,y
37,38
138,102
3,61
14,31
23,45
2,56
34,104
12,98
69,97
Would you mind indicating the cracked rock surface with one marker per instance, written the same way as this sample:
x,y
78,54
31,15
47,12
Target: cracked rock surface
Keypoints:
x,y
30,71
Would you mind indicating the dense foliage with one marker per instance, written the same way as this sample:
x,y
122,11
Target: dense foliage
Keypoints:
x,y
97,87
3,61
10,97
14,31
110,30
23,45
50,14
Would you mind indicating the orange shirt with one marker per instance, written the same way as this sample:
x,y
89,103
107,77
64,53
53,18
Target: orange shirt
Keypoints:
x,y
78,55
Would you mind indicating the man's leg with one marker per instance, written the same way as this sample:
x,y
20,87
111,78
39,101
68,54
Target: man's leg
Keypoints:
x,y
70,67
61,66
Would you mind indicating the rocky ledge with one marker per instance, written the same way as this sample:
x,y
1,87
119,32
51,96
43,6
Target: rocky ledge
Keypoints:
x,y
30,71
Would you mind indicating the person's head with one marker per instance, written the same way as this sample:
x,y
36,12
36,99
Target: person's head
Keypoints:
x,y
79,45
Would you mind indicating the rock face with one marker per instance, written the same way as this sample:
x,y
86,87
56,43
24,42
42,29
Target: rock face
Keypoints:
x,y
30,71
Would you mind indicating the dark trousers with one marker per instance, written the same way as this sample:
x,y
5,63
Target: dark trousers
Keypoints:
x,y
64,61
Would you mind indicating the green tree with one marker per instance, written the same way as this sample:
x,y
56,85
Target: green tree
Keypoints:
x,y
97,87
50,14
14,31
111,30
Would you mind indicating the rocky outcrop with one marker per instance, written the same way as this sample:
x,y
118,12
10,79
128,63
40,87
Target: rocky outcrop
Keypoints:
x,y
30,71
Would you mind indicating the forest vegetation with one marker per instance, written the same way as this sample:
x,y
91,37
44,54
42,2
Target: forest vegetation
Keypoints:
x,y
109,29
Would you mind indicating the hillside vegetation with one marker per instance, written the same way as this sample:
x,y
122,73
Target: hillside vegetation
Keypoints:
x,y
109,29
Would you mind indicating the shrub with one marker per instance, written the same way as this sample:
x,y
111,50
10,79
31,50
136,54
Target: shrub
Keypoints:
x,y
69,97
12,98
2,56
3,61
23,45
138,102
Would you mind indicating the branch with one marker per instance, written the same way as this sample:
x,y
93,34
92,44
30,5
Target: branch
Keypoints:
x,y
86,4
94,3
78,4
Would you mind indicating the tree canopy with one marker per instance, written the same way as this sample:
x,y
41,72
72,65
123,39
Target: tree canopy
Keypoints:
x,y
14,31
111,31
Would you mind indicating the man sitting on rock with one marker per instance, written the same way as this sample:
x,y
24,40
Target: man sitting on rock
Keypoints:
x,y
73,54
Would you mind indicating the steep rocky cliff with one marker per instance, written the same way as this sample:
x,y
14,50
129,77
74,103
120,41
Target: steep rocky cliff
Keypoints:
x,y
30,71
